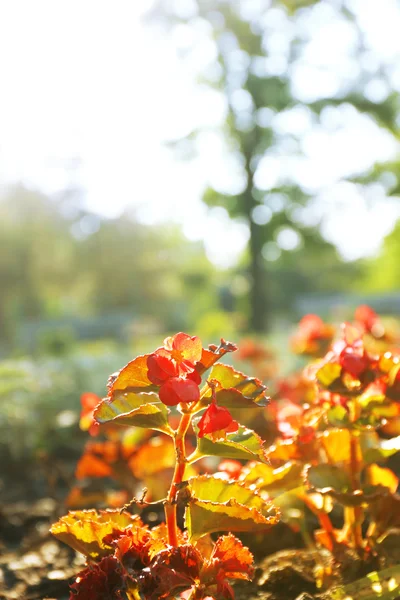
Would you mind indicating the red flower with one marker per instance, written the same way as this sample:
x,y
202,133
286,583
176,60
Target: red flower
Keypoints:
x,y
313,336
177,389
160,368
289,417
354,361
89,402
251,350
217,421
352,355
306,434
173,368
312,326
230,468
366,316
177,358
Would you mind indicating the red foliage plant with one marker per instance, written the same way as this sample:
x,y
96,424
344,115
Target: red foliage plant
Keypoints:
x,y
337,423
331,418
127,559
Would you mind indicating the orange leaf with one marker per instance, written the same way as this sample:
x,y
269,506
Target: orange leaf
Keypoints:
x,y
236,560
336,443
159,540
92,466
158,454
171,571
78,498
98,459
132,378
211,356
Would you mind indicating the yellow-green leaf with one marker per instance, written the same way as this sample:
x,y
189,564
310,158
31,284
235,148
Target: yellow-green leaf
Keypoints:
x,y
218,505
244,444
294,5
85,530
235,390
338,416
382,585
140,410
274,481
328,373
291,506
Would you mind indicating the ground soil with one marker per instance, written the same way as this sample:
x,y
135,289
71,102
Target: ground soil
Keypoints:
x,y
35,566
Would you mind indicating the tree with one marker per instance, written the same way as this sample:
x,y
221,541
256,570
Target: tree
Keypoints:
x,y
257,44
382,274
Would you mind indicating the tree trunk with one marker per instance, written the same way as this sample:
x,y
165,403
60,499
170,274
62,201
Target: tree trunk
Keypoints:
x,y
258,296
258,321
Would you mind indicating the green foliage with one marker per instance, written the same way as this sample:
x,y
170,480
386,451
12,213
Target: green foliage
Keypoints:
x,y
328,476
236,390
384,585
245,444
46,391
135,410
383,272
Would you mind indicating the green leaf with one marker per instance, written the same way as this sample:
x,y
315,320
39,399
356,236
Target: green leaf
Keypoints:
x,y
236,390
218,505
384,585
381,450
376,412
338,416
275,481
368,398
328,476
291,506
244,444
139,410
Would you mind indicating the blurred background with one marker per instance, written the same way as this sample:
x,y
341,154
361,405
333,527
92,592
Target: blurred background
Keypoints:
x,y
220,167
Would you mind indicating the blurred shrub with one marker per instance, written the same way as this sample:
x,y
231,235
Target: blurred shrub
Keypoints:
x,y
39,398
58,342
212,324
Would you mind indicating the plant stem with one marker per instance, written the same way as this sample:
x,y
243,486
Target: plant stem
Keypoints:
x,y
180,465
357,513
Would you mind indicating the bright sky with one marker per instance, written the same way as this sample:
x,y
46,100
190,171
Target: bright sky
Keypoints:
x,y
88,80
